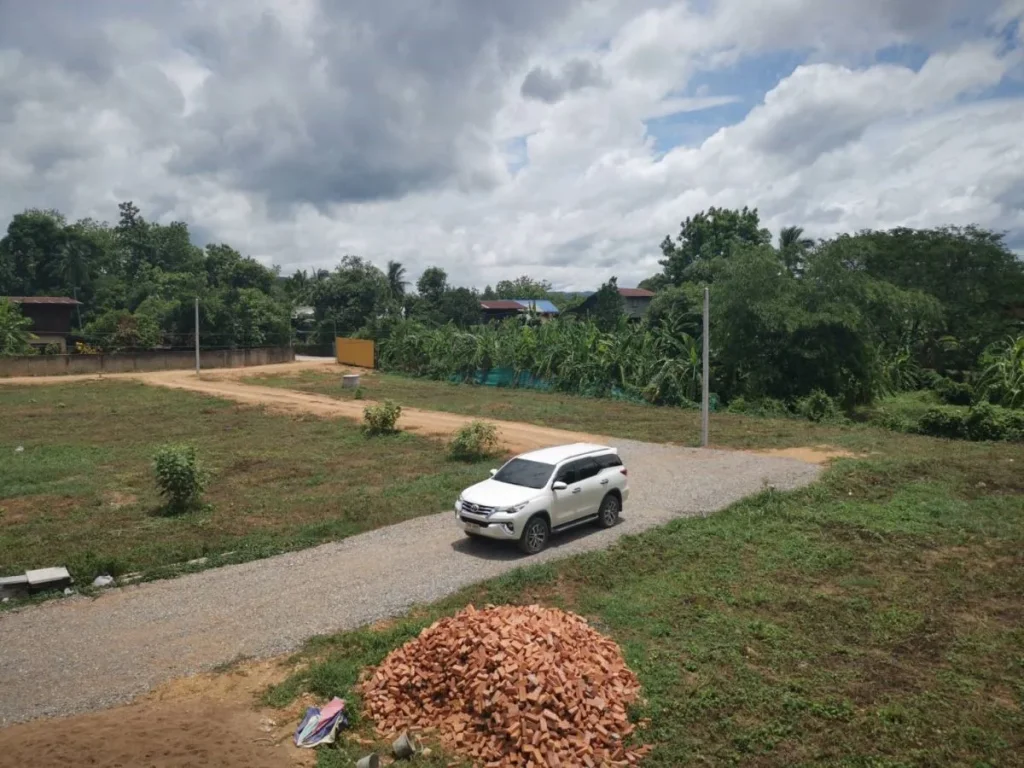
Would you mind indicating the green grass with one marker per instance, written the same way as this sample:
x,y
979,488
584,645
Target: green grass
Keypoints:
x,y
583,414
82,491
873,619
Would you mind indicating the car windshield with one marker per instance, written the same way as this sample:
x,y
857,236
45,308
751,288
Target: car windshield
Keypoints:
x,y
532,474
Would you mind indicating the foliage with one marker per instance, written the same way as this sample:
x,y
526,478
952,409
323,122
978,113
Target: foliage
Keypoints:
x,y
14,330
793,247
474,441
380,419
1003,373
180,476
523,287
396,280
953,392
359,394
608,306
819,407
119,329
52,349
982,421
710,234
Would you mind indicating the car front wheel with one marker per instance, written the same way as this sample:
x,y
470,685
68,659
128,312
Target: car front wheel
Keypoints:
x,y
608,514
535,536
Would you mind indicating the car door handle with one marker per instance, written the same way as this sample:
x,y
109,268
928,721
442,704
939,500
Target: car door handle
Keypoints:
x,y
576,490
605,481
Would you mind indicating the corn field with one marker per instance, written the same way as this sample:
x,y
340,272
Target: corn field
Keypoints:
x,y
658,364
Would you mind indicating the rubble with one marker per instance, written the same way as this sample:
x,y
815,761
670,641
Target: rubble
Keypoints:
x,y
511,686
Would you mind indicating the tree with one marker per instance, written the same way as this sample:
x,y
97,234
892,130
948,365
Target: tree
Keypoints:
x,y
396,280
709,235
349,297
119,329
793,246
608,307
655,283
432,284
523,287
14,330
460,306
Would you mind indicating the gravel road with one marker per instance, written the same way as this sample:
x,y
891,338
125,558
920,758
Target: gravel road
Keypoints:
x,y
79,654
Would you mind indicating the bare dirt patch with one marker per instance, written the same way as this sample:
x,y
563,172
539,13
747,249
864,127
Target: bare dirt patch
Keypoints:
x,y
21,509
818,454
206,720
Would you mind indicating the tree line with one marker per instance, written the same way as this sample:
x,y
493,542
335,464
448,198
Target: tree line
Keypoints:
x,y
854,316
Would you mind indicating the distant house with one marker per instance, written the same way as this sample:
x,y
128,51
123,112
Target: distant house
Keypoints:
x,y
499,309
50,316
636,300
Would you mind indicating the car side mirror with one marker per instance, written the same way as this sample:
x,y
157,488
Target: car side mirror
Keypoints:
x,y
494,472
558,485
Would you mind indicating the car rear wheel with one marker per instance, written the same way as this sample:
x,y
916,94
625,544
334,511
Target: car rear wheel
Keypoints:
x,y
535,535
608,514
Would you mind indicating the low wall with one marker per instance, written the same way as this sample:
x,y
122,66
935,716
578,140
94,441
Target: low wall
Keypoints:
x,y
155,360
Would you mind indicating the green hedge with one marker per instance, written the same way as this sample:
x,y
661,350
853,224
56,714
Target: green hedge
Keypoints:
x,y
980,422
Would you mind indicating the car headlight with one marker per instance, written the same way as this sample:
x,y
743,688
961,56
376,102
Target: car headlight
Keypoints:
x,y
512,510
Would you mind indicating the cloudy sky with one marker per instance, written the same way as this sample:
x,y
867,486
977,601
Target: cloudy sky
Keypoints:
x,y
559,138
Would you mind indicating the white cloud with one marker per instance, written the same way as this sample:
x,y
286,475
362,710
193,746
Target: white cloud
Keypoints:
x,y
323,134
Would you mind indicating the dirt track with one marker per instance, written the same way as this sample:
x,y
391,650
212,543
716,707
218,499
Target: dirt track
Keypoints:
x,y
223,382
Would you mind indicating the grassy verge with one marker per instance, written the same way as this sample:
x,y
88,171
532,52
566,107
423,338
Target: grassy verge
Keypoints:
x,y
583,414
874,619
81,492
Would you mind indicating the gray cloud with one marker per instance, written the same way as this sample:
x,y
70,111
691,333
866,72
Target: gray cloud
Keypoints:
x,y
544,85
353,102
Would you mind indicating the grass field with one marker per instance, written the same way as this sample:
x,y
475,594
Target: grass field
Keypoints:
x,y
873,619
82,494
584,414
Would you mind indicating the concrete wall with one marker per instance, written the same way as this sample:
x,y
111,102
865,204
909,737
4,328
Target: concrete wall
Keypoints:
x,y
155,360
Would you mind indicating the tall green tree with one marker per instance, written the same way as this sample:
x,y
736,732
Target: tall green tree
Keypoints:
x,y
523,287
432,284
793,247
708,235
396,280
609,306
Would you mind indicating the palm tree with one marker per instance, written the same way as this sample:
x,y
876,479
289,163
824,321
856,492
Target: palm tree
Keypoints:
x,y
792,247
14,330
396,280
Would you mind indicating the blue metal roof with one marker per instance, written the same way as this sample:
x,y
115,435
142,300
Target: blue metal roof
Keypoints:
x,y
542,305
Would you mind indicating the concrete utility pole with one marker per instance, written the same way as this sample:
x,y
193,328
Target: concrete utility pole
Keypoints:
x,y
705,405
197,335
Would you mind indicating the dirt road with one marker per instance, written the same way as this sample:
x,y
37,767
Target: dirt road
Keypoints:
x,y
224,382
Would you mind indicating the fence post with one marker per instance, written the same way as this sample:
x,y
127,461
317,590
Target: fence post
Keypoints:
x,y
197,335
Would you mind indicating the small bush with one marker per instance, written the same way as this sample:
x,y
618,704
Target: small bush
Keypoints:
x,y
770,407
180,476
984,422
473,442
737,405
894,422
818,406
953,392
359,394
381,419
942,421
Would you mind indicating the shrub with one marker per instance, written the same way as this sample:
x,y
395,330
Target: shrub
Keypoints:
x,y
359,394
180,476
984,422
942,421
770,407
954,392
818,406
895,422
473,442
737,405
381,419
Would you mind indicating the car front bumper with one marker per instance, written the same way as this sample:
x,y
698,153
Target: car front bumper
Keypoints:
x,y
501,527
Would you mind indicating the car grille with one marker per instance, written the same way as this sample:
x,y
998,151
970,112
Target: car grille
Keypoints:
x,y
477,509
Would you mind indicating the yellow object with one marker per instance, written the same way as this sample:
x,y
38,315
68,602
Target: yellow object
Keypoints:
x,y
354,352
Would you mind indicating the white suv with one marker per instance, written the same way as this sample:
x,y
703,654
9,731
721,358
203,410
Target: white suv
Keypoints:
x,y
546,491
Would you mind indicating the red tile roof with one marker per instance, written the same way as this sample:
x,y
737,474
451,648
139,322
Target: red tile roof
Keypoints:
x,y
41,300
635,293
502,304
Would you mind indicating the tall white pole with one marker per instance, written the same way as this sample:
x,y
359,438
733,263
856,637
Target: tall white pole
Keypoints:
x,y
705,406
197,335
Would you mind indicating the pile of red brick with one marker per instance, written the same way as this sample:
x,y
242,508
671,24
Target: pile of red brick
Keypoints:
x,y
510,686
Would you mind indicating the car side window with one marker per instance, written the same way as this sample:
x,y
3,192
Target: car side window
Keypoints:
x,y
567,474
586,468
608,460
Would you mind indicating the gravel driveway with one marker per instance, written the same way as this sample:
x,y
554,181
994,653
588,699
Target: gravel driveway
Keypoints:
x,y
73,655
